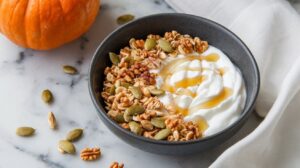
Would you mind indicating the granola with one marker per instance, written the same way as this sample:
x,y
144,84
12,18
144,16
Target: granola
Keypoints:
x,y
131,84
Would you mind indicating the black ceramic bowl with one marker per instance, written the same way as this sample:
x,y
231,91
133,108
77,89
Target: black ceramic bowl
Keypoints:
x,y
212,32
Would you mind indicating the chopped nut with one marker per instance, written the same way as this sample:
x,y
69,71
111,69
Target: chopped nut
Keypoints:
x,y
117,165
89,154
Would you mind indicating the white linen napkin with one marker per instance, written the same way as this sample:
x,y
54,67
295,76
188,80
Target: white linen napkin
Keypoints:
x,y
271,29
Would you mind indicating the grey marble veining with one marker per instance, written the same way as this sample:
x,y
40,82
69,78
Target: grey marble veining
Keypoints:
x,y
24,73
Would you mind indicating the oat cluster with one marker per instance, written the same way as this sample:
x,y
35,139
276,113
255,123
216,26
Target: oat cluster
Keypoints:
x,y
130,91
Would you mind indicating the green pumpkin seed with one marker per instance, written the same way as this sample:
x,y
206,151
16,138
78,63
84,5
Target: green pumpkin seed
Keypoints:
x,y
119,118
127,117
112,90
74,134
114,58
133,110
165,45
135,128
130,60
147,125
158,122
125,84
66,146
149,44
70,70
157,92
162,134
124,18
136,91
25,131
47,96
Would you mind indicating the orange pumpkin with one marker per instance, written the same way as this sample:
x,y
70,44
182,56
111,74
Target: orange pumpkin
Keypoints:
x,y
46,24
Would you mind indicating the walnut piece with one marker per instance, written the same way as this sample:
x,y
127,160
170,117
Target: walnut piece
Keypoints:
x,y
117,165
89,154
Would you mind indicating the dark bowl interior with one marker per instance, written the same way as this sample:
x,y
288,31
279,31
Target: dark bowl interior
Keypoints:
x,y
215,34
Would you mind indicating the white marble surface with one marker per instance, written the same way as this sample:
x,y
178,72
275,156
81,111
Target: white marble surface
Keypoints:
x,y
24,73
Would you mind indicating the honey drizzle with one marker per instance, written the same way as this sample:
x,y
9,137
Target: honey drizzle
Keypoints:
x,y
187,82
222,70
172,66
202,124
224,94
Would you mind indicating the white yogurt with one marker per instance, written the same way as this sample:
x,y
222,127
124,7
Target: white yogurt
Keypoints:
x,y
205,88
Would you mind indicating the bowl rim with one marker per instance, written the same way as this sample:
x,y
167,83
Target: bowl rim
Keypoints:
x,y
102,112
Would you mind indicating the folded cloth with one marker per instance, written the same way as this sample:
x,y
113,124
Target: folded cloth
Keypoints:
x,y
271,29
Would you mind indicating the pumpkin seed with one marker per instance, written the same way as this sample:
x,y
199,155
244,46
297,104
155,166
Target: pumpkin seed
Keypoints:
x,y
66,146
133,110
157,92
119,118
147,125
162,134
165,45
74,134
135,128
51,120
136,91
70,70
124,18
125,84
112,90
47,96
158,122
127,117
130,60
149,44
25,131
114,58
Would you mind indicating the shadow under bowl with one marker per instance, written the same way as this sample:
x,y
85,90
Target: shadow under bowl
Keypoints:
x,y
210,31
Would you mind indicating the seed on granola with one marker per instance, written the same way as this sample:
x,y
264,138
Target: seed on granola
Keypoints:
x,y
158,122
135,128
136,91
129,60
133,110
112,90
119,118
47,96
124,18
114,58
157,92
149,44
162,134
165,45
70,70
125,84
74,134
127,117
147,125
